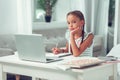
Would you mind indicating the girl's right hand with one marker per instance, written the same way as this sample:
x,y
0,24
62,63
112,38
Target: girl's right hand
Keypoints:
x,y
56,50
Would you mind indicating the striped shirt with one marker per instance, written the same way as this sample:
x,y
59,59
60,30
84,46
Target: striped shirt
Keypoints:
x,y
88,51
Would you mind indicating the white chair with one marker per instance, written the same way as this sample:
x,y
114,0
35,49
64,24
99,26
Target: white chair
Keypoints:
x,y
116,53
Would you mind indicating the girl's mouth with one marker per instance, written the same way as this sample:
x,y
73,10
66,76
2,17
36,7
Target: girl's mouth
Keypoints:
x,y
71,29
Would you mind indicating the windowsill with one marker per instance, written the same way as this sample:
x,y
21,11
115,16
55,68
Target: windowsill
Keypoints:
x,y
45,25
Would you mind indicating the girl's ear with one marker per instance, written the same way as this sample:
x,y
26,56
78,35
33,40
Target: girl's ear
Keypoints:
x,y
82,22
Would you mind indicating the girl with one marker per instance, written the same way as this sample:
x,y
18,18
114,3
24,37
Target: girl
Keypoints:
x,y
78,41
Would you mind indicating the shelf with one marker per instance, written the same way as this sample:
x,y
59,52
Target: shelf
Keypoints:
x,y
53,24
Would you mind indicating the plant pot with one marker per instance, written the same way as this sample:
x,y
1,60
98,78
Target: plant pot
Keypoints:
x,y
47,18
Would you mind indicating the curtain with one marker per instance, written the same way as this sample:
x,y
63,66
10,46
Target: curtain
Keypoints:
x,y
97,15
117,24
98,20
24,16
101,19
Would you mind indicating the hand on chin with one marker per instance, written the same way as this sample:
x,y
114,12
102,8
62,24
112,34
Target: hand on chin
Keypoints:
x,y
75,31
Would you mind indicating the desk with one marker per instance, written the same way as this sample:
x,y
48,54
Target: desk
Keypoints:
x,y
11,64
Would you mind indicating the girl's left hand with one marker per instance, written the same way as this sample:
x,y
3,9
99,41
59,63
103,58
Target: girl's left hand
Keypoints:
x,y
77,30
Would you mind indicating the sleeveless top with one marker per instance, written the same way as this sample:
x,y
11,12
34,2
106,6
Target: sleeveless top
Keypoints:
x,y
88,51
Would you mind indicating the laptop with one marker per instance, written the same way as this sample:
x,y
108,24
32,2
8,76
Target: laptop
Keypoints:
x,y
32,48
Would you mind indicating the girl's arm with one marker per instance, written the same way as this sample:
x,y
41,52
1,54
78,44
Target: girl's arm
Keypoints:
x,y
86,43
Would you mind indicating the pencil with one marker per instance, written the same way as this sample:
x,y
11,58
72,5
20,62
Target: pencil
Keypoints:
x,y
56,44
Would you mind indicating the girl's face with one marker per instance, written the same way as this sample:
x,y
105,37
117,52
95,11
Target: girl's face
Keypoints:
x,y
74,22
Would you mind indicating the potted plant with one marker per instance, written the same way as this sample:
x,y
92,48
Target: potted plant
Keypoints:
x,y
47,6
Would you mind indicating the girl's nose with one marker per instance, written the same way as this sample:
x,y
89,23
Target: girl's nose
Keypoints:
x,y
70,25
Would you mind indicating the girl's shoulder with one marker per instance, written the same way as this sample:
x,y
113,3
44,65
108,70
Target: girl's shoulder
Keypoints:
x,y
87,34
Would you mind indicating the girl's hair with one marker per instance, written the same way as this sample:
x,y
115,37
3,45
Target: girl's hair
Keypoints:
x,y
80,15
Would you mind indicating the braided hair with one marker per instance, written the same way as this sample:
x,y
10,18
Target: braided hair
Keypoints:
x,y
81,17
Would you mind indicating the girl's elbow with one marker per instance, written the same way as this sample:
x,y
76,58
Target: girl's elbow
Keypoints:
x,y
77,54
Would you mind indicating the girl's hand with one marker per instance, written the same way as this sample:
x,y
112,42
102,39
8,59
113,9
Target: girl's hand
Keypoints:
x,y
56,50
76,31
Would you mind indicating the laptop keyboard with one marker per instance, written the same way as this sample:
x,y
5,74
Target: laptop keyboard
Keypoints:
x,y
80,63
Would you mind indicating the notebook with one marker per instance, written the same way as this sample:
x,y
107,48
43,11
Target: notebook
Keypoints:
x,y
58,55
32,48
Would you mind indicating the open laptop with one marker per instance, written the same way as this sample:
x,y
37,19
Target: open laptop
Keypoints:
x,y
31,47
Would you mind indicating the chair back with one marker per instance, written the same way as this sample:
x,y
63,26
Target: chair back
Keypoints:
x,y
115,51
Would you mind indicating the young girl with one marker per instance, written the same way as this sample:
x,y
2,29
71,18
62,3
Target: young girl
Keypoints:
x,y
78,40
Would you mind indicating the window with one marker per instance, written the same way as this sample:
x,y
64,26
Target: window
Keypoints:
x,y
111,13
45,9
38,14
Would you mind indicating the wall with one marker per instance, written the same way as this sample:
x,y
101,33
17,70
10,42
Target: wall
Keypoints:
x,y
62,8
15,16
8,16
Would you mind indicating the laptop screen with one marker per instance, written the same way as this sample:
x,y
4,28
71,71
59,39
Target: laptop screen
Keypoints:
x,y
31,47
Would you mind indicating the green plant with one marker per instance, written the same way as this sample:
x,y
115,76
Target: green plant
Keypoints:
x,y
47,6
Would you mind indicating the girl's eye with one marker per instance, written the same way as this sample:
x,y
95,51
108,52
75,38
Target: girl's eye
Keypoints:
x,y
68,23
74,21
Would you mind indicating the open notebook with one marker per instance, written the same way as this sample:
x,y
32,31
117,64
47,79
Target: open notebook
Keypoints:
x,y
58,55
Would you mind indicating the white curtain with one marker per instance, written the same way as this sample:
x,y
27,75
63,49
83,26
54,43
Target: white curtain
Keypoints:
x,y
99,18
97,15
117,23
24,16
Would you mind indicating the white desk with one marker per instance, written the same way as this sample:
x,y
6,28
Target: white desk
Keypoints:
x,y
12,64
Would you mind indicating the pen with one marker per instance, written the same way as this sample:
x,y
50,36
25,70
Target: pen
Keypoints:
x,y
56,44
69,47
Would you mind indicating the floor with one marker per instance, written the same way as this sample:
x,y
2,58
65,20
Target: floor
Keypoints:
x,y
12,77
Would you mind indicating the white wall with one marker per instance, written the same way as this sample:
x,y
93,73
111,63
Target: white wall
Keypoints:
x,y
62,8
15,16
8,16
